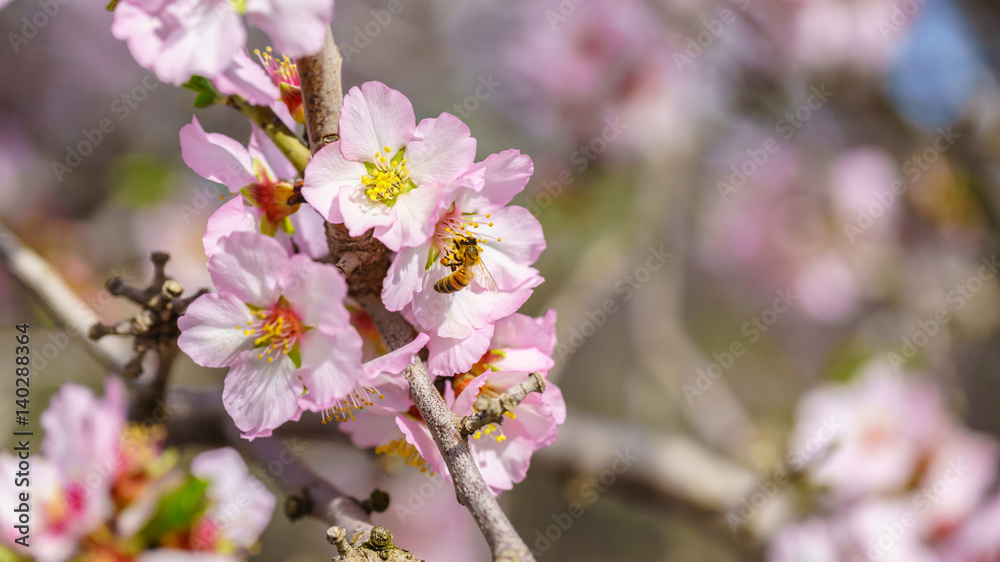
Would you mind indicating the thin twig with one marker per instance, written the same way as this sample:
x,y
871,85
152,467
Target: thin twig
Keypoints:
x,y
62,305
491,410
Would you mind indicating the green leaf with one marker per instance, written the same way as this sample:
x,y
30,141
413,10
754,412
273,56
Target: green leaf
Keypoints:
x,y
177,510
203,100
296,356
372,168
111,5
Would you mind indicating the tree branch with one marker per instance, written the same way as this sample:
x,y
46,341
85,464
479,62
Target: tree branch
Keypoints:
x,y
59,301
322,94
492,410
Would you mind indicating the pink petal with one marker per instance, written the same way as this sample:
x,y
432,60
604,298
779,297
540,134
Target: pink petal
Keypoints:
x,y
327,173
521,242
261,395
331,367
375,426
506,175
448,356
272,157
414,224
216,157
419,436
396,360
210,333
247,265
316,292
246,78
310,232
297,27
375,116
233,216
404,276
206,38
441,150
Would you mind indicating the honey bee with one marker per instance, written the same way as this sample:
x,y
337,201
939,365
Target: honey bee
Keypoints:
x,y
466,265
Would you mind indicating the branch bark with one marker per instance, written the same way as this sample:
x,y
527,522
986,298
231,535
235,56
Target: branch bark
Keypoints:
x,y
62,305
492,410
284,138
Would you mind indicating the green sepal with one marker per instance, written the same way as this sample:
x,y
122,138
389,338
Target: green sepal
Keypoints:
x,y
432,257
287,226
399,156
296,356
268,227
247,194
371,167
111,5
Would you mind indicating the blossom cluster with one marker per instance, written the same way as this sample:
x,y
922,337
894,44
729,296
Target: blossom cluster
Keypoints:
x,y
900,479
281,319
106,489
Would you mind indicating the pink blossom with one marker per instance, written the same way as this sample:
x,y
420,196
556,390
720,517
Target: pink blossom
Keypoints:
x,y
880,428
514,343
180,38
387,173
280,324
813,540
259,174
977,540
245,78
508,240
62,512
240,505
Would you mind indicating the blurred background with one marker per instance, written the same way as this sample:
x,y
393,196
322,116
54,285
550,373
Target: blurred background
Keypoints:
x,y
771,233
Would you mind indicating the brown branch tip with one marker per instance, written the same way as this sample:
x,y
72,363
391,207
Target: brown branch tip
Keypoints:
x,y
492,410
379,546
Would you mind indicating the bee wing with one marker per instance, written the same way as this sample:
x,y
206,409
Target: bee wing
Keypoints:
x,y
485,278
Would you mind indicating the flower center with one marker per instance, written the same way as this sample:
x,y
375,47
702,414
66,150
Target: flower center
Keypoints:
x,y
409,452
273,198
285,74
387,178
276,331
356,400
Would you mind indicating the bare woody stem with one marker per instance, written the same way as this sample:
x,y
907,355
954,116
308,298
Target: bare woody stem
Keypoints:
x,y
283,137
323,97
492,410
